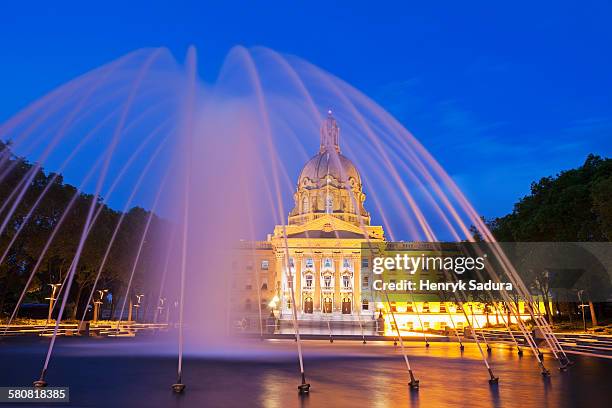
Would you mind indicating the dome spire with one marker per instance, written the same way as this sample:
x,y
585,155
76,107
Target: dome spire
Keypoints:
x,y
330,134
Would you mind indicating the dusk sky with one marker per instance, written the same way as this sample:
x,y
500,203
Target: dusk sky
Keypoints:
x,y
500,94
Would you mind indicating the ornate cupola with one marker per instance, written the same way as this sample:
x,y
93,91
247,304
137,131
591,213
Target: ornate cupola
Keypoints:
x,y
329,183
330,133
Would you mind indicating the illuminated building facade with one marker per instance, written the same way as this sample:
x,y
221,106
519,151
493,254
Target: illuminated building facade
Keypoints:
x,y
318,255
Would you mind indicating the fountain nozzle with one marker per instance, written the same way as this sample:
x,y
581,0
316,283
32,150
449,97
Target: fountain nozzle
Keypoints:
x,y
493,380
178,387
41,383
414,383
304,387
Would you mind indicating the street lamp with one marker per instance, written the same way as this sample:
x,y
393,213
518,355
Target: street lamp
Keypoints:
x,y
160,309
98,304
137,305
274,303
582,306
52,299
271,321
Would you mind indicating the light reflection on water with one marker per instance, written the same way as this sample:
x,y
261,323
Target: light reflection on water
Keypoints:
x,y
342,374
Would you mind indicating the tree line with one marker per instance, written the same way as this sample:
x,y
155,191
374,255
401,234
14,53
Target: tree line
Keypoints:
x,y
573,206
62,212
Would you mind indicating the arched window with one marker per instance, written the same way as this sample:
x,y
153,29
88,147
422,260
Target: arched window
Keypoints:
x,y
329,204
305,205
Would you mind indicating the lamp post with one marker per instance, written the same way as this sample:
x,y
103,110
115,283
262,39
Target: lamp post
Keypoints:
x,y
160,309
582,306
272,319
138,304
52,299
98,304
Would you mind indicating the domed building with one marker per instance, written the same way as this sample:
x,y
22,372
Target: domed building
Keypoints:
x,y
318,264
318,251
329,183
323,238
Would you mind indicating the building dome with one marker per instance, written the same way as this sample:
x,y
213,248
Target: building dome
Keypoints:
x,y
329,183
329,165
326,165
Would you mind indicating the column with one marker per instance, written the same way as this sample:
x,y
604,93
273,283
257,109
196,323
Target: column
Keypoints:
x,y
280,276
337,265
317,259
356,282
297,258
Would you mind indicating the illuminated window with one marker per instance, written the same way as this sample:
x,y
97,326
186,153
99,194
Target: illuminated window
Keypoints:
x,y
265,264
309,263
365,305
393,307
327,263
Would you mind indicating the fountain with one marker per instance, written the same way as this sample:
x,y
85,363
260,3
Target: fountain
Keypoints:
x,y
215,166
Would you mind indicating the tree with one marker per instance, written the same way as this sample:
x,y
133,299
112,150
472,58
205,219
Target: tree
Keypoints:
x,y
573,206
37,217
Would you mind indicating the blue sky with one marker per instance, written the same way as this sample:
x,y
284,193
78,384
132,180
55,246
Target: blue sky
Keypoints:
x,y
500,94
